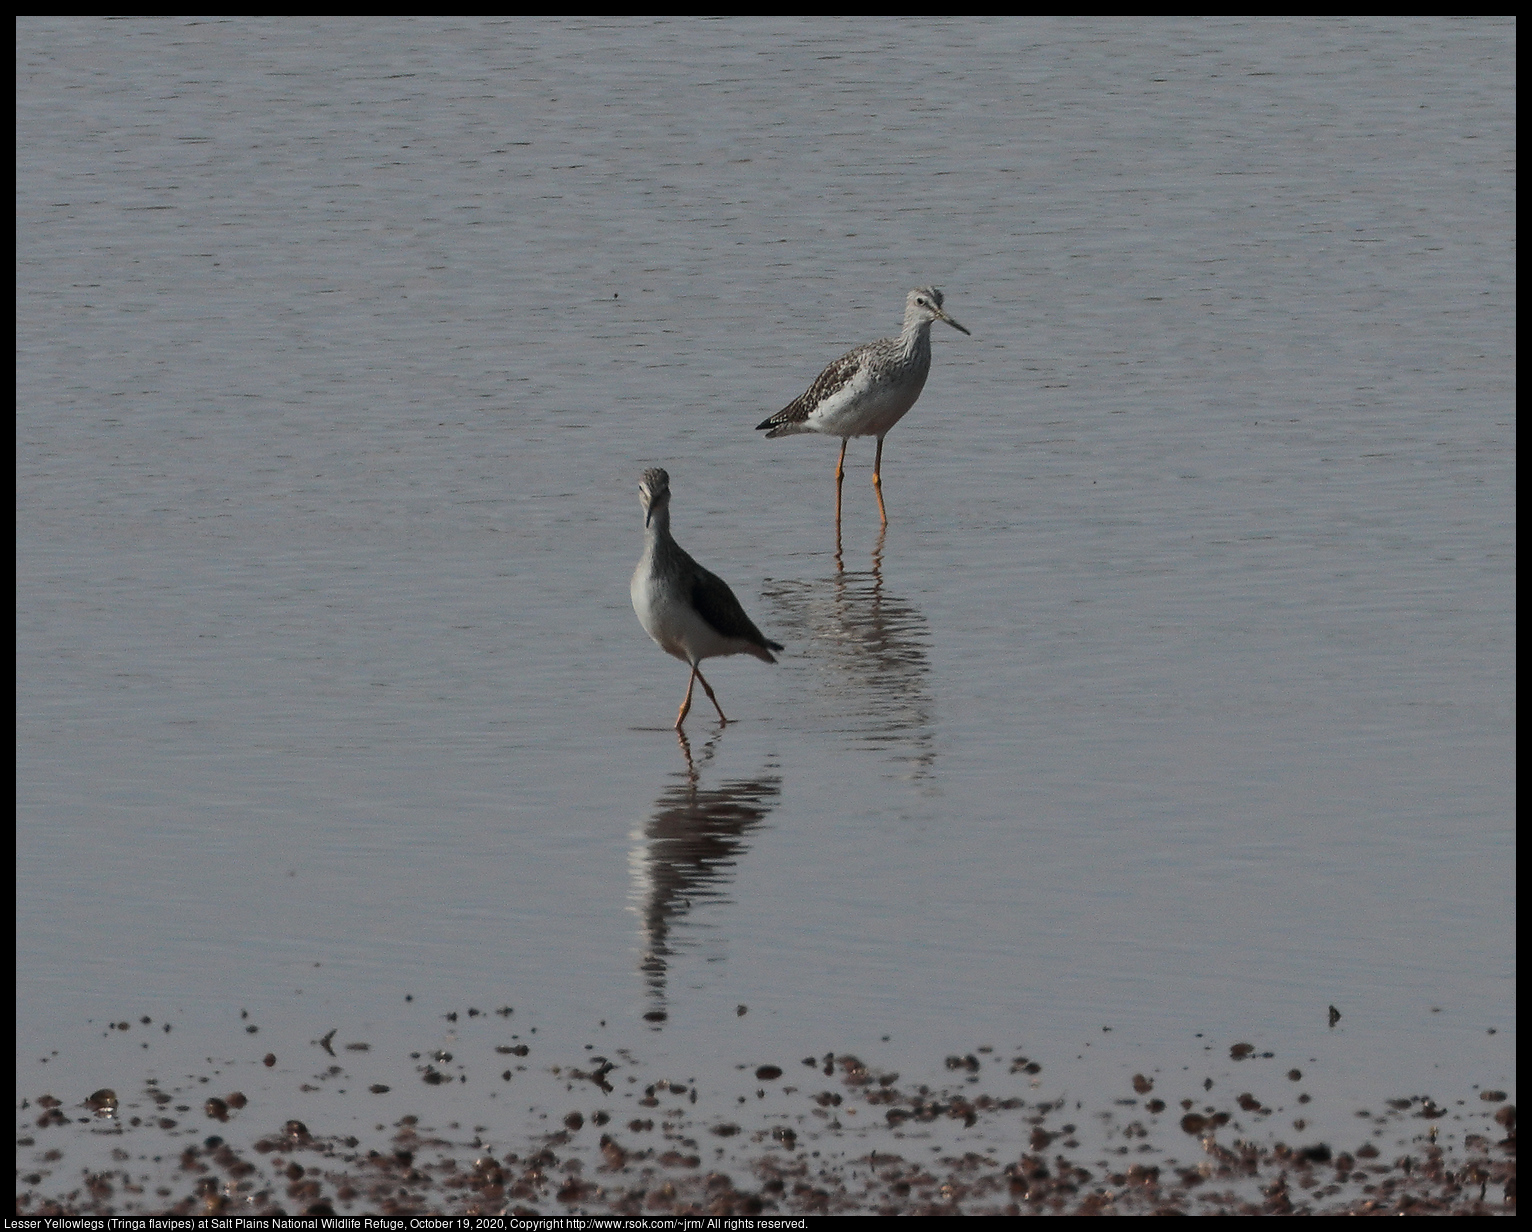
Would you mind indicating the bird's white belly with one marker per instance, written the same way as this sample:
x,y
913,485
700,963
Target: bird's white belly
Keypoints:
x,y
674,623
864,408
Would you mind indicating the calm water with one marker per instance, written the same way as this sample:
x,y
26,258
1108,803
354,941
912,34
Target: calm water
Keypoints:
x,y
1178,697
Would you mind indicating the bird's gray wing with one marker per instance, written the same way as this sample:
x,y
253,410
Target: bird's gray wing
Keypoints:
x,y
829,382
716,604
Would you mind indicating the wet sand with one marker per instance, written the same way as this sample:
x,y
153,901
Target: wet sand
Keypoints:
x,y
832,1134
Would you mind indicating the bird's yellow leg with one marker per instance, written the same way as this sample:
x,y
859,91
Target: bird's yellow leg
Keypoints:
x,y
698,673
686,705
877,481
840,474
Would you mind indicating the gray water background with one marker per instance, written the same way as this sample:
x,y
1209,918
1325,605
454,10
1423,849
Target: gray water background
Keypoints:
x,y
1179,697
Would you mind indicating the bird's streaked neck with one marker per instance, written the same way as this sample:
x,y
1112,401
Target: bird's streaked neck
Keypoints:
x,y
916,335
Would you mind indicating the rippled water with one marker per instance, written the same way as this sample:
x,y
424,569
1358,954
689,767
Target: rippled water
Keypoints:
x,y
1178,696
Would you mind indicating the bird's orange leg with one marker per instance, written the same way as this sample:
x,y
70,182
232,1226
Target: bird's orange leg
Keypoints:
x,y
877,481
686,705
840,474
698,673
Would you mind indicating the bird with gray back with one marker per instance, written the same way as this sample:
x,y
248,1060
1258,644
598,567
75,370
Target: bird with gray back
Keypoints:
x,y
690,612
868,389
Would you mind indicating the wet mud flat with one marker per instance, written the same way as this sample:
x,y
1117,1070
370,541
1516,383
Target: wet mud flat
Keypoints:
x,y
830,1134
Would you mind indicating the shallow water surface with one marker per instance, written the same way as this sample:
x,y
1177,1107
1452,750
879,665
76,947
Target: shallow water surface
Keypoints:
x,y
1176,698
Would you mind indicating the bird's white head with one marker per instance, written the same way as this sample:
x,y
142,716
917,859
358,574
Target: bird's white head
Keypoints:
x,y
654,492
925,304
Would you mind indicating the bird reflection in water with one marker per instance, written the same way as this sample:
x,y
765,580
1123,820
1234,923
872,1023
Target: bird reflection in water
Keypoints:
x,y
685,856
872,652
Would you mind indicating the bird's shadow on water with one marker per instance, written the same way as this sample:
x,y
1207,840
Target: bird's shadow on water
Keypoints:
x,y
686,854
870,654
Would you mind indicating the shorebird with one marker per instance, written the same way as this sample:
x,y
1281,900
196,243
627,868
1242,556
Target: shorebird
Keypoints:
x,y
868,390
690,612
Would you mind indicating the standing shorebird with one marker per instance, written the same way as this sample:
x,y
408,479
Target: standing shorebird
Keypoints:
x,y
867,390
690,612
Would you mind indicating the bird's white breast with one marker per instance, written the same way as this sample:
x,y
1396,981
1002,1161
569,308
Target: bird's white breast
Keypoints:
x,y
865,405
671,620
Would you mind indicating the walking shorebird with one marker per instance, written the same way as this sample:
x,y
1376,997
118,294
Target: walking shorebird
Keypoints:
x,y
868,390
690,612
